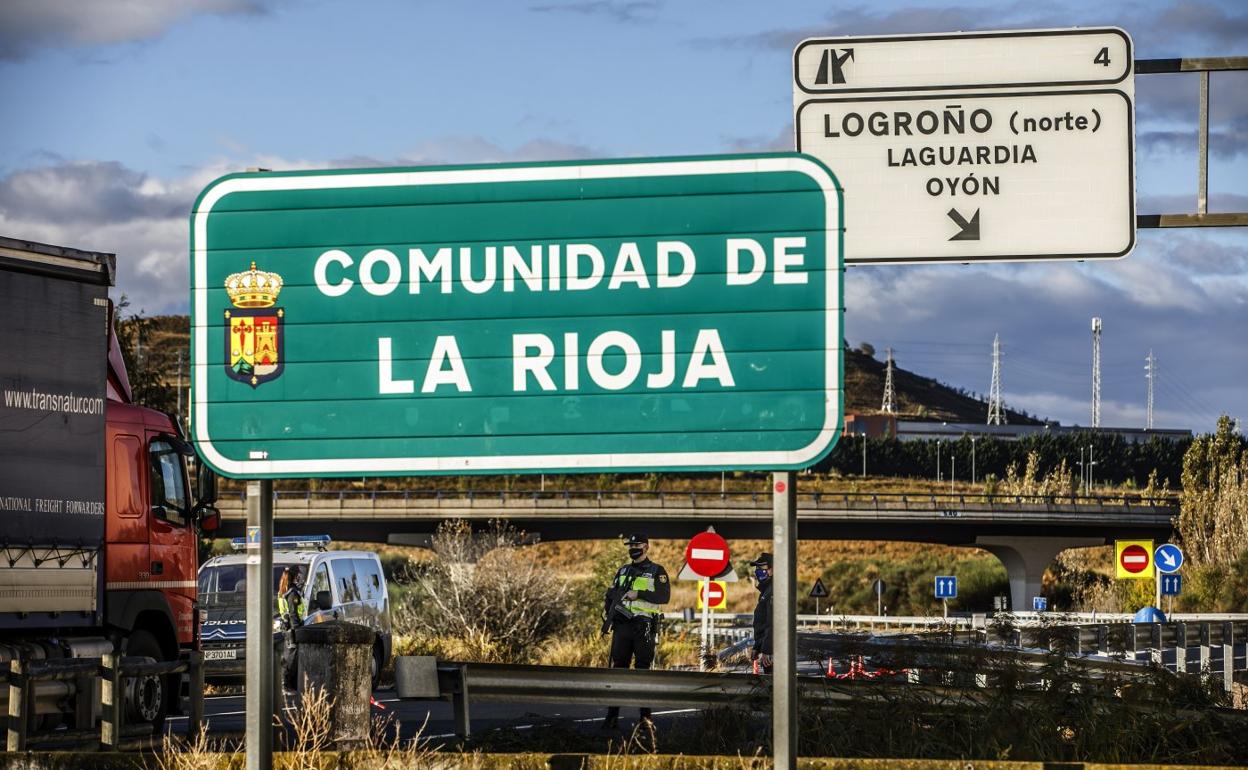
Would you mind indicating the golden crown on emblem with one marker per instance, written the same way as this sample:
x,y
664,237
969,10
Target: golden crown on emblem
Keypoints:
x,y
253,288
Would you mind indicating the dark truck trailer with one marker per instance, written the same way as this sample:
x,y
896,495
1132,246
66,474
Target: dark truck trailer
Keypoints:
x,y
97,525
54,317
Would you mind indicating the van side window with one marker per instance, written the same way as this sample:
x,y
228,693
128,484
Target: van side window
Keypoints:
x,y
344,580
320,582
369,572
168,486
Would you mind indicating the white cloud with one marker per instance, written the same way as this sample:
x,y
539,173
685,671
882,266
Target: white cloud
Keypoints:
x,y
1185,296
107,206
29,24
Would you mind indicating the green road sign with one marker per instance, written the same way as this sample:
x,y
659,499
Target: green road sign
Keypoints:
x,y
583,316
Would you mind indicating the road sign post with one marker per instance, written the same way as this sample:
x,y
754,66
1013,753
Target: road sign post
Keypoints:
x,y
260,680
784,621
946,588
1168,558
1170,586
818,591
988,145
707,555
669,314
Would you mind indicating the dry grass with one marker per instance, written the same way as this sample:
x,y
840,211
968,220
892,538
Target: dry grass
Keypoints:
x,y
201,753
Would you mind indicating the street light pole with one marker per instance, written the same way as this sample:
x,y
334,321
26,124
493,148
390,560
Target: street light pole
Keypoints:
x,y
972,460
938,460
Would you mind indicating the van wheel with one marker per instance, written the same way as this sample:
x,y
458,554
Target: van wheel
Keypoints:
x,y
378,663
147,697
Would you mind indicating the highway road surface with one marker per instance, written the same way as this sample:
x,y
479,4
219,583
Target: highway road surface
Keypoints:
x,y
225,716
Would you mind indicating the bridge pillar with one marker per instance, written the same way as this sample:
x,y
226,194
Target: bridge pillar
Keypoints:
x,y
1025,559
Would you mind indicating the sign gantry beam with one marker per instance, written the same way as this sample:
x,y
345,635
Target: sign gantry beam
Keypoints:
x,y
1202,217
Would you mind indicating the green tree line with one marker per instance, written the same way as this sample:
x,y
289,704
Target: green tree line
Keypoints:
x,y
1118,461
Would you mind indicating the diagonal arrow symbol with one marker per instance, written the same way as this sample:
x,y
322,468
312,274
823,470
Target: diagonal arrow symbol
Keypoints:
x,y
970,230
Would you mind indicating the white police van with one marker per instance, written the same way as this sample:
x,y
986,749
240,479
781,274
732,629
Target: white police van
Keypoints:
x,y
338,585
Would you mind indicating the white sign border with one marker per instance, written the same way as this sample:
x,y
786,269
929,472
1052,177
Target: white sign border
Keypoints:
x,y
264,468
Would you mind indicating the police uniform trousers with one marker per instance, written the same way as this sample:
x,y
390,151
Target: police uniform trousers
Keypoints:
x,y
631,642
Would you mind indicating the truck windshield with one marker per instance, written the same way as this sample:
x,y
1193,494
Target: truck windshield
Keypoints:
x,y
225,585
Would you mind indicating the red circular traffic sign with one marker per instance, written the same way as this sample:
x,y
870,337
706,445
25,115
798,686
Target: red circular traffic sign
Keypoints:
x,y
712,595
707,554
1134,558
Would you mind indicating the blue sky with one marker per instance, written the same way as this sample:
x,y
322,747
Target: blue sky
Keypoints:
x,y
125,110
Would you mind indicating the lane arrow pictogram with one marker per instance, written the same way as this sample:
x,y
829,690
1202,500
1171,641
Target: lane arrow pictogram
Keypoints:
x,y
970,230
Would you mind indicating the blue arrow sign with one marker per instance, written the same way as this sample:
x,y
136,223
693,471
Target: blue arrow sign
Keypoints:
x,y
946,587
1039,604
1168,557
1171,585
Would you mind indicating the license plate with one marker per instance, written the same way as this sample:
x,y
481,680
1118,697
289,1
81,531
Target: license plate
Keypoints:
x,y
224,654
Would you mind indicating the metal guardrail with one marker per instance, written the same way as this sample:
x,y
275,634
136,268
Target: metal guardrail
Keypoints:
x,y
24,676
929,663
975,621
1190,644
464,683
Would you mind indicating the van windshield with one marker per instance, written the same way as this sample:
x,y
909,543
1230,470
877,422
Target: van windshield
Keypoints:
x,y
225,585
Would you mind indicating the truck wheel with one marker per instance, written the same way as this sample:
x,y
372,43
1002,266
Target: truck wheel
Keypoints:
x,y
147,697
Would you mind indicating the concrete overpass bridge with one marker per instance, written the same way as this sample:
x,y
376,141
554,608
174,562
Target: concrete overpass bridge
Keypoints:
x,y
1024,532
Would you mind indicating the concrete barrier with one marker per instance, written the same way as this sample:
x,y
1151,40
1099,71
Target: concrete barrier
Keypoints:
x,y
336,658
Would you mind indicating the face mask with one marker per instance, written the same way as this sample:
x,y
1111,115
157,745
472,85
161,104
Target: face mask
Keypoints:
x,y
634,553
760,573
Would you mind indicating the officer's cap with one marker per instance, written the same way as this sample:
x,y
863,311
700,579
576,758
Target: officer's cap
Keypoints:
x,y
763,560
637,539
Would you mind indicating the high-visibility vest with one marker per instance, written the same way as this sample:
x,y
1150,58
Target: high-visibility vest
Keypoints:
x,y
642,582
283,607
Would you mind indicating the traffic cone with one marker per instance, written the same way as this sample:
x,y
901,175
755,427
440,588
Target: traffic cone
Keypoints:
x,y
831,671
755,662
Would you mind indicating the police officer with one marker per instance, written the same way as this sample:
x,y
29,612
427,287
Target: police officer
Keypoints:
x,y
632,610
290,612
761,651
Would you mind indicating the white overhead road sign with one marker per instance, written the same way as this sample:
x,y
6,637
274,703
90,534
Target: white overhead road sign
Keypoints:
x,y
987,60
1001,146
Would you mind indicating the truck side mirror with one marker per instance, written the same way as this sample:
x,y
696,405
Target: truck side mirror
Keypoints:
x,y
206,485
209,520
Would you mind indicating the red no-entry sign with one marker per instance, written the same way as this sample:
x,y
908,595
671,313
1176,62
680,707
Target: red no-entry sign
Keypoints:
x,y
712,594
1134,559
707,554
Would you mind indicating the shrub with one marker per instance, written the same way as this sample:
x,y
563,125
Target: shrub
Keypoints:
x,y
487,591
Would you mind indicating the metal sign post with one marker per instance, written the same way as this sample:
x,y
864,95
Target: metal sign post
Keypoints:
x,y
259,699
705,588
784,621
